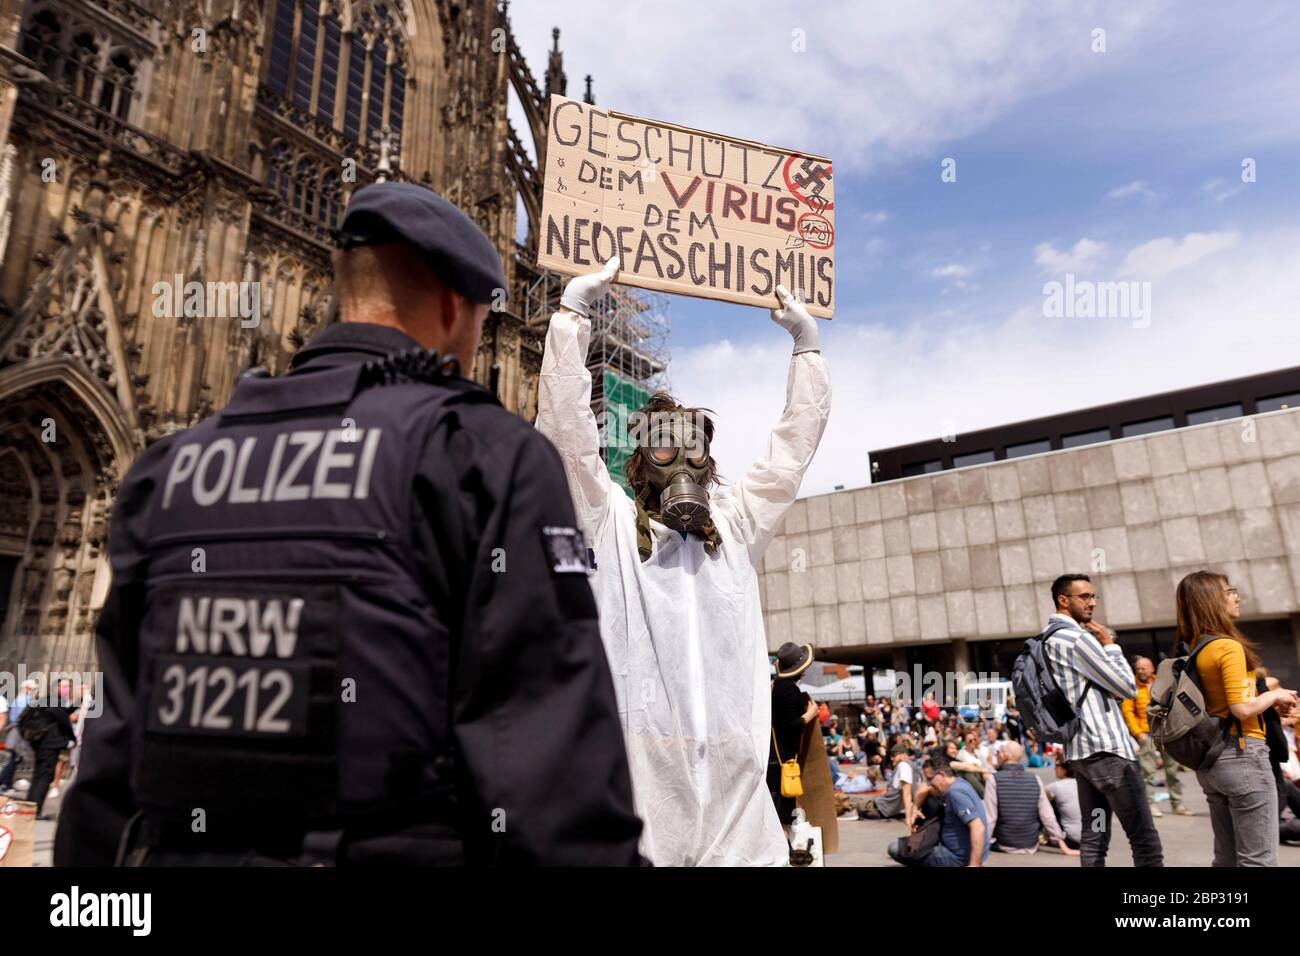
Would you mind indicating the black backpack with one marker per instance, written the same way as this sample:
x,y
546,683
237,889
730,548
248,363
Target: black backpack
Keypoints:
x,y
33,725
1042,704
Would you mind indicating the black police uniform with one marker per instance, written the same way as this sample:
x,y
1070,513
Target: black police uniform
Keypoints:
x,y
350,622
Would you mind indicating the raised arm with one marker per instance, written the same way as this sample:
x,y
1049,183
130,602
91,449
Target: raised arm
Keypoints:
x,y
564,400
761,497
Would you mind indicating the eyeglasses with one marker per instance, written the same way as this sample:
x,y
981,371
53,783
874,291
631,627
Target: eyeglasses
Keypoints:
x,y
1086,597
1233,591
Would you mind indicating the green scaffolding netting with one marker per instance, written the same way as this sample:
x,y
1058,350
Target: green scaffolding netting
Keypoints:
x,y
622,398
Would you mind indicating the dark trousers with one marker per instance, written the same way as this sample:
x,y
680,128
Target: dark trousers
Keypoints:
x,y
1113,785
784,805
43,776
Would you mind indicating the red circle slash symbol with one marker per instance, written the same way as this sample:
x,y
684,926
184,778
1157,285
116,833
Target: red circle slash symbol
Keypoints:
x,y
816,230
807,182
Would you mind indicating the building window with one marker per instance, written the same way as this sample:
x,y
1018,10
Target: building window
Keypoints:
x,y
973,458
118,87
306,65
1220,413
356,86
81,66
277,172
1275,403
397,99
329,200
41,44
304,200
1147,426
1086,438
1029,448
378,77
277,77
329,68
913,468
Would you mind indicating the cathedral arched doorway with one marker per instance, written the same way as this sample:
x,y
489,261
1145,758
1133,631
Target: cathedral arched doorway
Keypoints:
x,y
62,451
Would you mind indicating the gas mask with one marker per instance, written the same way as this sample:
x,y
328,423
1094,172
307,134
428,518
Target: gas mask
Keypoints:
x,y
676,459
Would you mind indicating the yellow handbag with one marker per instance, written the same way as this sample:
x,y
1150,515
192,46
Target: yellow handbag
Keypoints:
x,y
791,781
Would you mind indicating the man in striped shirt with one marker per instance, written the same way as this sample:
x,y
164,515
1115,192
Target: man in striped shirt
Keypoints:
x,y
1091,671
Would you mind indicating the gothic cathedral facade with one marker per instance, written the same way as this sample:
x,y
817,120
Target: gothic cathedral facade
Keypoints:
x,y
149,144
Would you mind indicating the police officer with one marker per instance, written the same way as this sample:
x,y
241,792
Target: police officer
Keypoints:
x,y
350,619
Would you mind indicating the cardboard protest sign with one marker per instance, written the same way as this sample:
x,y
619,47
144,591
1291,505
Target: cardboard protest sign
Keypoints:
x,y
17,832
686,211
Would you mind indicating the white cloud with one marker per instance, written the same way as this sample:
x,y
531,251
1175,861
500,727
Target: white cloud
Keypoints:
x,y
1232,316
1083,256
1137,188
1220,190
953,270
869,85
1159,257
874,217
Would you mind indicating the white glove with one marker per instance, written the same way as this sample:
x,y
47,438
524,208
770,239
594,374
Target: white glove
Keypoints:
x,y
582,291
794,318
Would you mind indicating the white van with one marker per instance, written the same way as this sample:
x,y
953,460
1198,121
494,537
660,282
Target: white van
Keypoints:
x,y
974,695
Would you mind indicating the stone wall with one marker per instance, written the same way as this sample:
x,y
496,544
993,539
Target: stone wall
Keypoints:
x,y
970,553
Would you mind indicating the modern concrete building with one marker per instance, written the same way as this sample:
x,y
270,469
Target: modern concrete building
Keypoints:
x,y
952,570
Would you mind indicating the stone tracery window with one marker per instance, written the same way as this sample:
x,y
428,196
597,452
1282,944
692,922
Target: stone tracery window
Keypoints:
x,y
83,59
322,70
42,43
277,171
304,198
118,85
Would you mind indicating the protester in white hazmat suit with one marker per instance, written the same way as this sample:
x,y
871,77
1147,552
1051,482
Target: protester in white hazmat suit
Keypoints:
x,y
679,611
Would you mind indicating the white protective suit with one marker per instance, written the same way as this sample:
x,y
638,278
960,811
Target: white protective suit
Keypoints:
x,y
683,631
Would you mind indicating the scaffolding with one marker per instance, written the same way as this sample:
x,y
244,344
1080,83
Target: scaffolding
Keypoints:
x,y
628,356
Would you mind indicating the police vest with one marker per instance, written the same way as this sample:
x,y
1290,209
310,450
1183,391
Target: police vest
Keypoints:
x,y
291,666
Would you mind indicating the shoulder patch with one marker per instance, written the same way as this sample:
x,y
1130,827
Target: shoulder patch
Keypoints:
x,y
566,551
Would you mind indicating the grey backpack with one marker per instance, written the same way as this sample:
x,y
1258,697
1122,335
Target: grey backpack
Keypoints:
x,y
1180,724
1043,705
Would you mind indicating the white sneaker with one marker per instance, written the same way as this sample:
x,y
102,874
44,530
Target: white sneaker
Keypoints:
x,y
1155,811
54,792
22,786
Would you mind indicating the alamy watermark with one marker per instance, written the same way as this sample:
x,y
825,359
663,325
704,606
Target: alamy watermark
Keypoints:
x,y
242,300
55,688
944,685
1085,299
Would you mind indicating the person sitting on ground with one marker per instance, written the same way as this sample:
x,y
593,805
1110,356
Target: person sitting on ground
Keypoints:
x,y
845,750
971,771
973,752
1017,806
964,825
897,800
872,748
1063,793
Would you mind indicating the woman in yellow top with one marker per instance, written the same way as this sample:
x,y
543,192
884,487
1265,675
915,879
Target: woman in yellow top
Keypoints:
x,y
1239,785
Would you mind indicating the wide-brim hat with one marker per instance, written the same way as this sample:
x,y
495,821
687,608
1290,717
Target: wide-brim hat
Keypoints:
x,y
793,659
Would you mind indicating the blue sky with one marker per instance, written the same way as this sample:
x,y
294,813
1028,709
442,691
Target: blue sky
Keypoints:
x,y
1123,164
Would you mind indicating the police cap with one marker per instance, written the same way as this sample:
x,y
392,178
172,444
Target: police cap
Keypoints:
x,y
447,239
